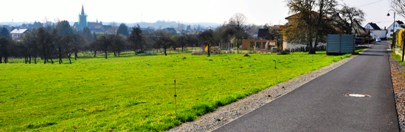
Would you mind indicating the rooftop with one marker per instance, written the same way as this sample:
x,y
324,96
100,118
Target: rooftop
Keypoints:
x,y
374,26
18,31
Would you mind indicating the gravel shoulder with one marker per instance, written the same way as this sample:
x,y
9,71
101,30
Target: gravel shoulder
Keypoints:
x,y
398,77
228,113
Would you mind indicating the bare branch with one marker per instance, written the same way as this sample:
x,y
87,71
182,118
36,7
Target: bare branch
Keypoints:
x,y
398,6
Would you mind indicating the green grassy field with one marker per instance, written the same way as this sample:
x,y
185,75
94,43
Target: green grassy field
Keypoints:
x,y
137,93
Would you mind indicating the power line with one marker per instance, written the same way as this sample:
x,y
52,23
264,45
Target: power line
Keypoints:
x,y
367,4
374,2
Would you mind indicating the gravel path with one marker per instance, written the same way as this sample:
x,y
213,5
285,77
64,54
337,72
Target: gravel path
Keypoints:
x,y
228,113
398,77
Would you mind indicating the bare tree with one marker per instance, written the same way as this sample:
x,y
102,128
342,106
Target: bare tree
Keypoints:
x,y
65,37
350,15
399,6
95,45
45,40
207,38
104,42
237,24
326,8
118,44
5,42
31,47
163,40
238,21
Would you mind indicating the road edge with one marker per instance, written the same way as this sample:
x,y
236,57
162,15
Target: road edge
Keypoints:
x,y
398,73
233,111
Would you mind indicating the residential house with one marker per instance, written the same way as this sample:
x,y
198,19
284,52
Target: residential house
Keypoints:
x,y
18,34
264,45
264,33
398,26
96,27
375,31
265,41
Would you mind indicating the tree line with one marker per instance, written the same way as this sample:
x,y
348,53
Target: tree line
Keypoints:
x,y
55,43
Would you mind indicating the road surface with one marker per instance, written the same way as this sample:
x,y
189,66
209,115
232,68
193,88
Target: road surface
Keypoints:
x,y
324,104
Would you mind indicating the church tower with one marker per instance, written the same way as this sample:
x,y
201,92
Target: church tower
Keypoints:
x,y
82,20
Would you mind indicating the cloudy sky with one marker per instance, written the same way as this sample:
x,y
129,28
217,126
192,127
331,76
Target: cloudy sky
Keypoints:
x,y
186,11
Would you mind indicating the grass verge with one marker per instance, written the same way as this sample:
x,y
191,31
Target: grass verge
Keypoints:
x,y
397,58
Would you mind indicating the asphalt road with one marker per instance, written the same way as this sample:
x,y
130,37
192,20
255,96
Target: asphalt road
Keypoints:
x,y
323,104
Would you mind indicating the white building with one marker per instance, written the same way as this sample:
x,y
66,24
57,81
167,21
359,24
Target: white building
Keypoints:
x,y
375,31
18,34
398,26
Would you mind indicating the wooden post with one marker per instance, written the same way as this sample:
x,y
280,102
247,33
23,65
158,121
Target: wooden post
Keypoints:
x,y
175,95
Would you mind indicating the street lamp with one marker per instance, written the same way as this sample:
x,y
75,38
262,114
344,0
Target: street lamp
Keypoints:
x,y
394,25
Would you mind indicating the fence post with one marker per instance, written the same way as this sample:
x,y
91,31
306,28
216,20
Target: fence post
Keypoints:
x,y
403,47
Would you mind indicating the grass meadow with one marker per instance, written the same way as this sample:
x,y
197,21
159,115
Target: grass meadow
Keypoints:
x,y
137,93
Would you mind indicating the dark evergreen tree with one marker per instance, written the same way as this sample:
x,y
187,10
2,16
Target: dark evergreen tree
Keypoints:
x,y
136,39
123,30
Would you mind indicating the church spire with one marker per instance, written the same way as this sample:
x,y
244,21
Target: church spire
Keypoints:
x,y
82,20
82,10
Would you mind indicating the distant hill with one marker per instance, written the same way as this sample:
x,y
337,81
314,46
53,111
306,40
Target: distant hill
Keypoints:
x,y
156,25
12,23
172,24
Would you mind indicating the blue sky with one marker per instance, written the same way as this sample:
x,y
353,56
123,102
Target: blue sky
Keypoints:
x,y
186,11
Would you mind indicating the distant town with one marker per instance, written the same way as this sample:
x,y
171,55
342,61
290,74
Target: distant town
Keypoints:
x,y
100,27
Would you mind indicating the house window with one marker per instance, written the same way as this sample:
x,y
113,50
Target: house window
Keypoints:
x,y
392,30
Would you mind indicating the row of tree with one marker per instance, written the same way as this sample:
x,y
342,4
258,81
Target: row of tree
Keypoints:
x,y
50,44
